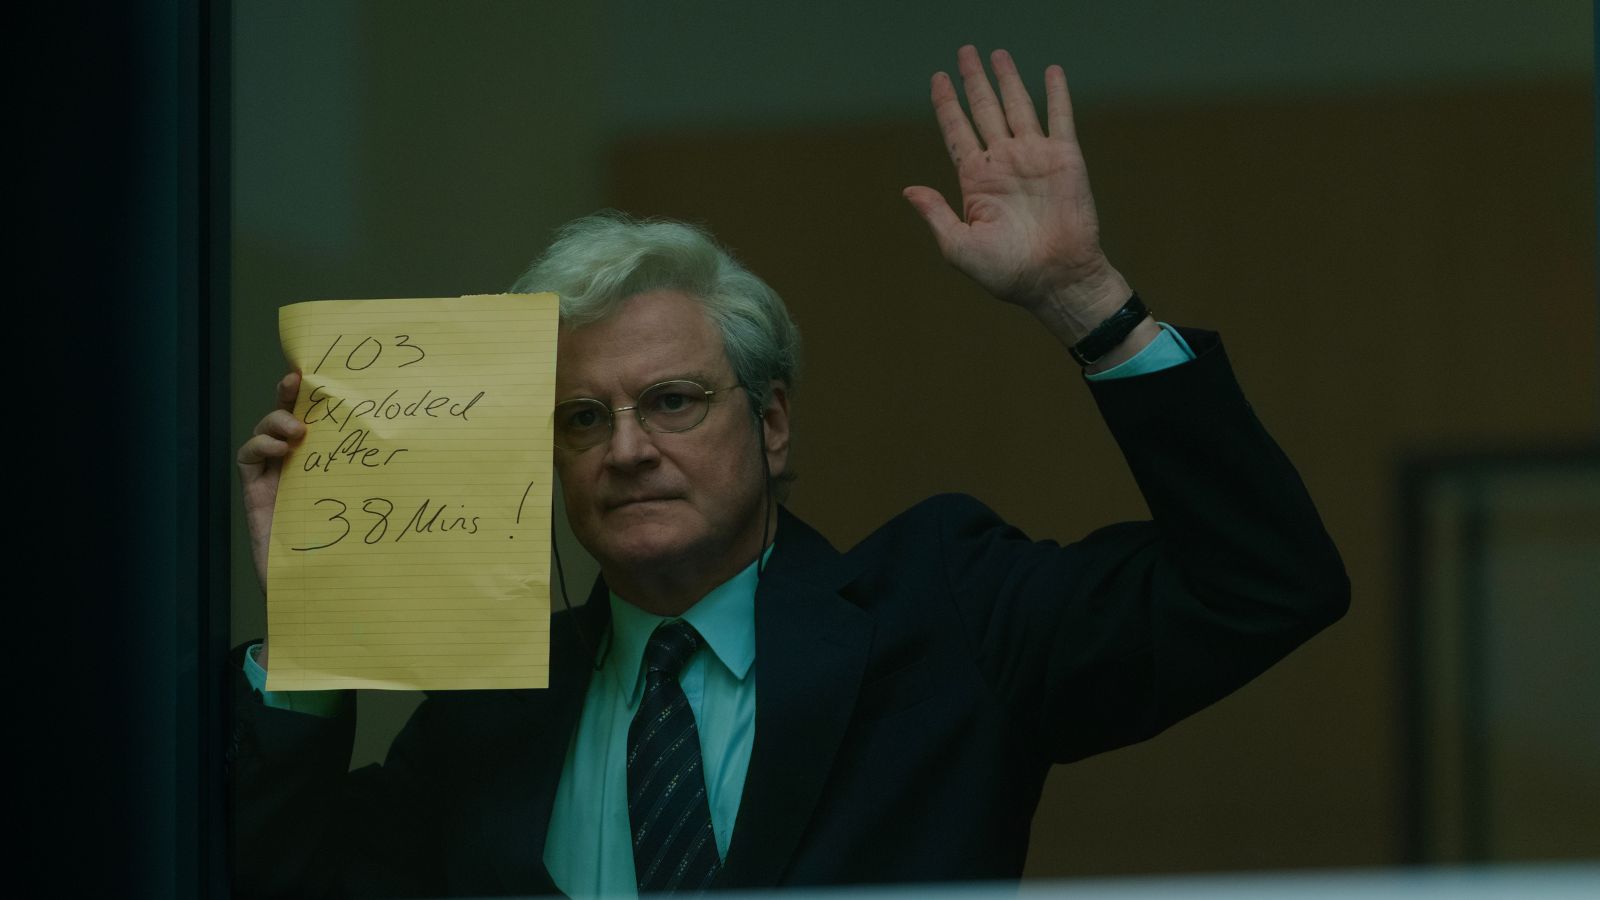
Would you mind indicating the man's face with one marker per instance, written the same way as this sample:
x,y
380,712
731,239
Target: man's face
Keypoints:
x,y
646,501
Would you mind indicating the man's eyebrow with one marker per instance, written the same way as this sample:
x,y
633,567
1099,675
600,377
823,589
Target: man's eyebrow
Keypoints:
x,y
697,376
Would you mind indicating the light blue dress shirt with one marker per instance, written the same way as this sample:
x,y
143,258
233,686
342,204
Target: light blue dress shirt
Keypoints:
x,y
1167,350
587,846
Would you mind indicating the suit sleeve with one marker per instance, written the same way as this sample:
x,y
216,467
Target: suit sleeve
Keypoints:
x,y
1110,640
307,827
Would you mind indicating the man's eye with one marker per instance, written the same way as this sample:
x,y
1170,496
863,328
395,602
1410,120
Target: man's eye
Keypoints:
x,y
671,401
581,418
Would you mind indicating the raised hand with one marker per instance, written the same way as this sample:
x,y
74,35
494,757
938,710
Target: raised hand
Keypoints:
x,y
261,462
1028,231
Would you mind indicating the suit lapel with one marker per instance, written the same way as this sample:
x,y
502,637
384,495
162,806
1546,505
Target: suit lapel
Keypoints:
x,y
517,815
811,651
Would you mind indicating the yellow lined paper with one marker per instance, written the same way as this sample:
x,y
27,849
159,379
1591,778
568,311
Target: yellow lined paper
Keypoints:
x,y
411,538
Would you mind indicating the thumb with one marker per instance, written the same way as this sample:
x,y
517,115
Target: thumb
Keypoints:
x,y
942,220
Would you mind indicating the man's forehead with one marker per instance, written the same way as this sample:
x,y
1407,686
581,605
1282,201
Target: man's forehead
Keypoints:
x,y
661,311
650,337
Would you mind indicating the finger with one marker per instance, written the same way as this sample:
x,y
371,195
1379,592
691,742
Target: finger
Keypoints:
x,y
942,220
958,136
260,449
1058,104
986,112
288,390
1020,114
281,423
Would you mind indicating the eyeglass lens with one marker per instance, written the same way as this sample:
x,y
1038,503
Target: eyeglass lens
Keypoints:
x,y
666,407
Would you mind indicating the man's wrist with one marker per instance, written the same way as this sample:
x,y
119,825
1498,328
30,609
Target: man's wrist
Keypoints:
x,y
1071,313
1110,333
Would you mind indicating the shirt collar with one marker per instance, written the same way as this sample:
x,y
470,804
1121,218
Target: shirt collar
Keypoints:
x,y
725,618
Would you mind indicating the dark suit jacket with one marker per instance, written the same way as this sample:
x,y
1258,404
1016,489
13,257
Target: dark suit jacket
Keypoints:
x,y
912,692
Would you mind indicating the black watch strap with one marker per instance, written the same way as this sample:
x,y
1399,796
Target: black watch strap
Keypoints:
x,y
1110,333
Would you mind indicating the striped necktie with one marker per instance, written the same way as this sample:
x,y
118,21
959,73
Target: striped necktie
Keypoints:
x,y
673,845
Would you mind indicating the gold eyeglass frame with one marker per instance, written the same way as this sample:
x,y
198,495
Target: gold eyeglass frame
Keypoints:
x,y
638,413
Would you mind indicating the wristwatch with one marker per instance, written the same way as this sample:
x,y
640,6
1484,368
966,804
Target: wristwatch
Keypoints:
x,y
1110,333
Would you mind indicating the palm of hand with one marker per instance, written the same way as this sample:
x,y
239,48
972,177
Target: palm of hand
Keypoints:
x,y
1030,223
1028,232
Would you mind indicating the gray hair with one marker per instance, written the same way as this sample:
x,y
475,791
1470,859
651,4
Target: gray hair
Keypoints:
x,y
598,261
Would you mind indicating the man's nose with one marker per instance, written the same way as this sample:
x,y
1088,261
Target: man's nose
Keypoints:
x,y
631,445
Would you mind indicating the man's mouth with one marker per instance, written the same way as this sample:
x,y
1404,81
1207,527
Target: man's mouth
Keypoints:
x,y
637,501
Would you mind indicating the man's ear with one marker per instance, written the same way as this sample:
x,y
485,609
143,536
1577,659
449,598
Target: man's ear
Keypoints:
x,y
775,426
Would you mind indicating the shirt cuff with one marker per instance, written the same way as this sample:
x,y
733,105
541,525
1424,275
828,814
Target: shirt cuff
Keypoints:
x,y
326,704
1167,350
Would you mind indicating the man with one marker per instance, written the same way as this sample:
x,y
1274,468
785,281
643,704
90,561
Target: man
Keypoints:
x,y
741,705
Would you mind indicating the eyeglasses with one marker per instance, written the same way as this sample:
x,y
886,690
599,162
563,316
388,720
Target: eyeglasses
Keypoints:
x,y
668,407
